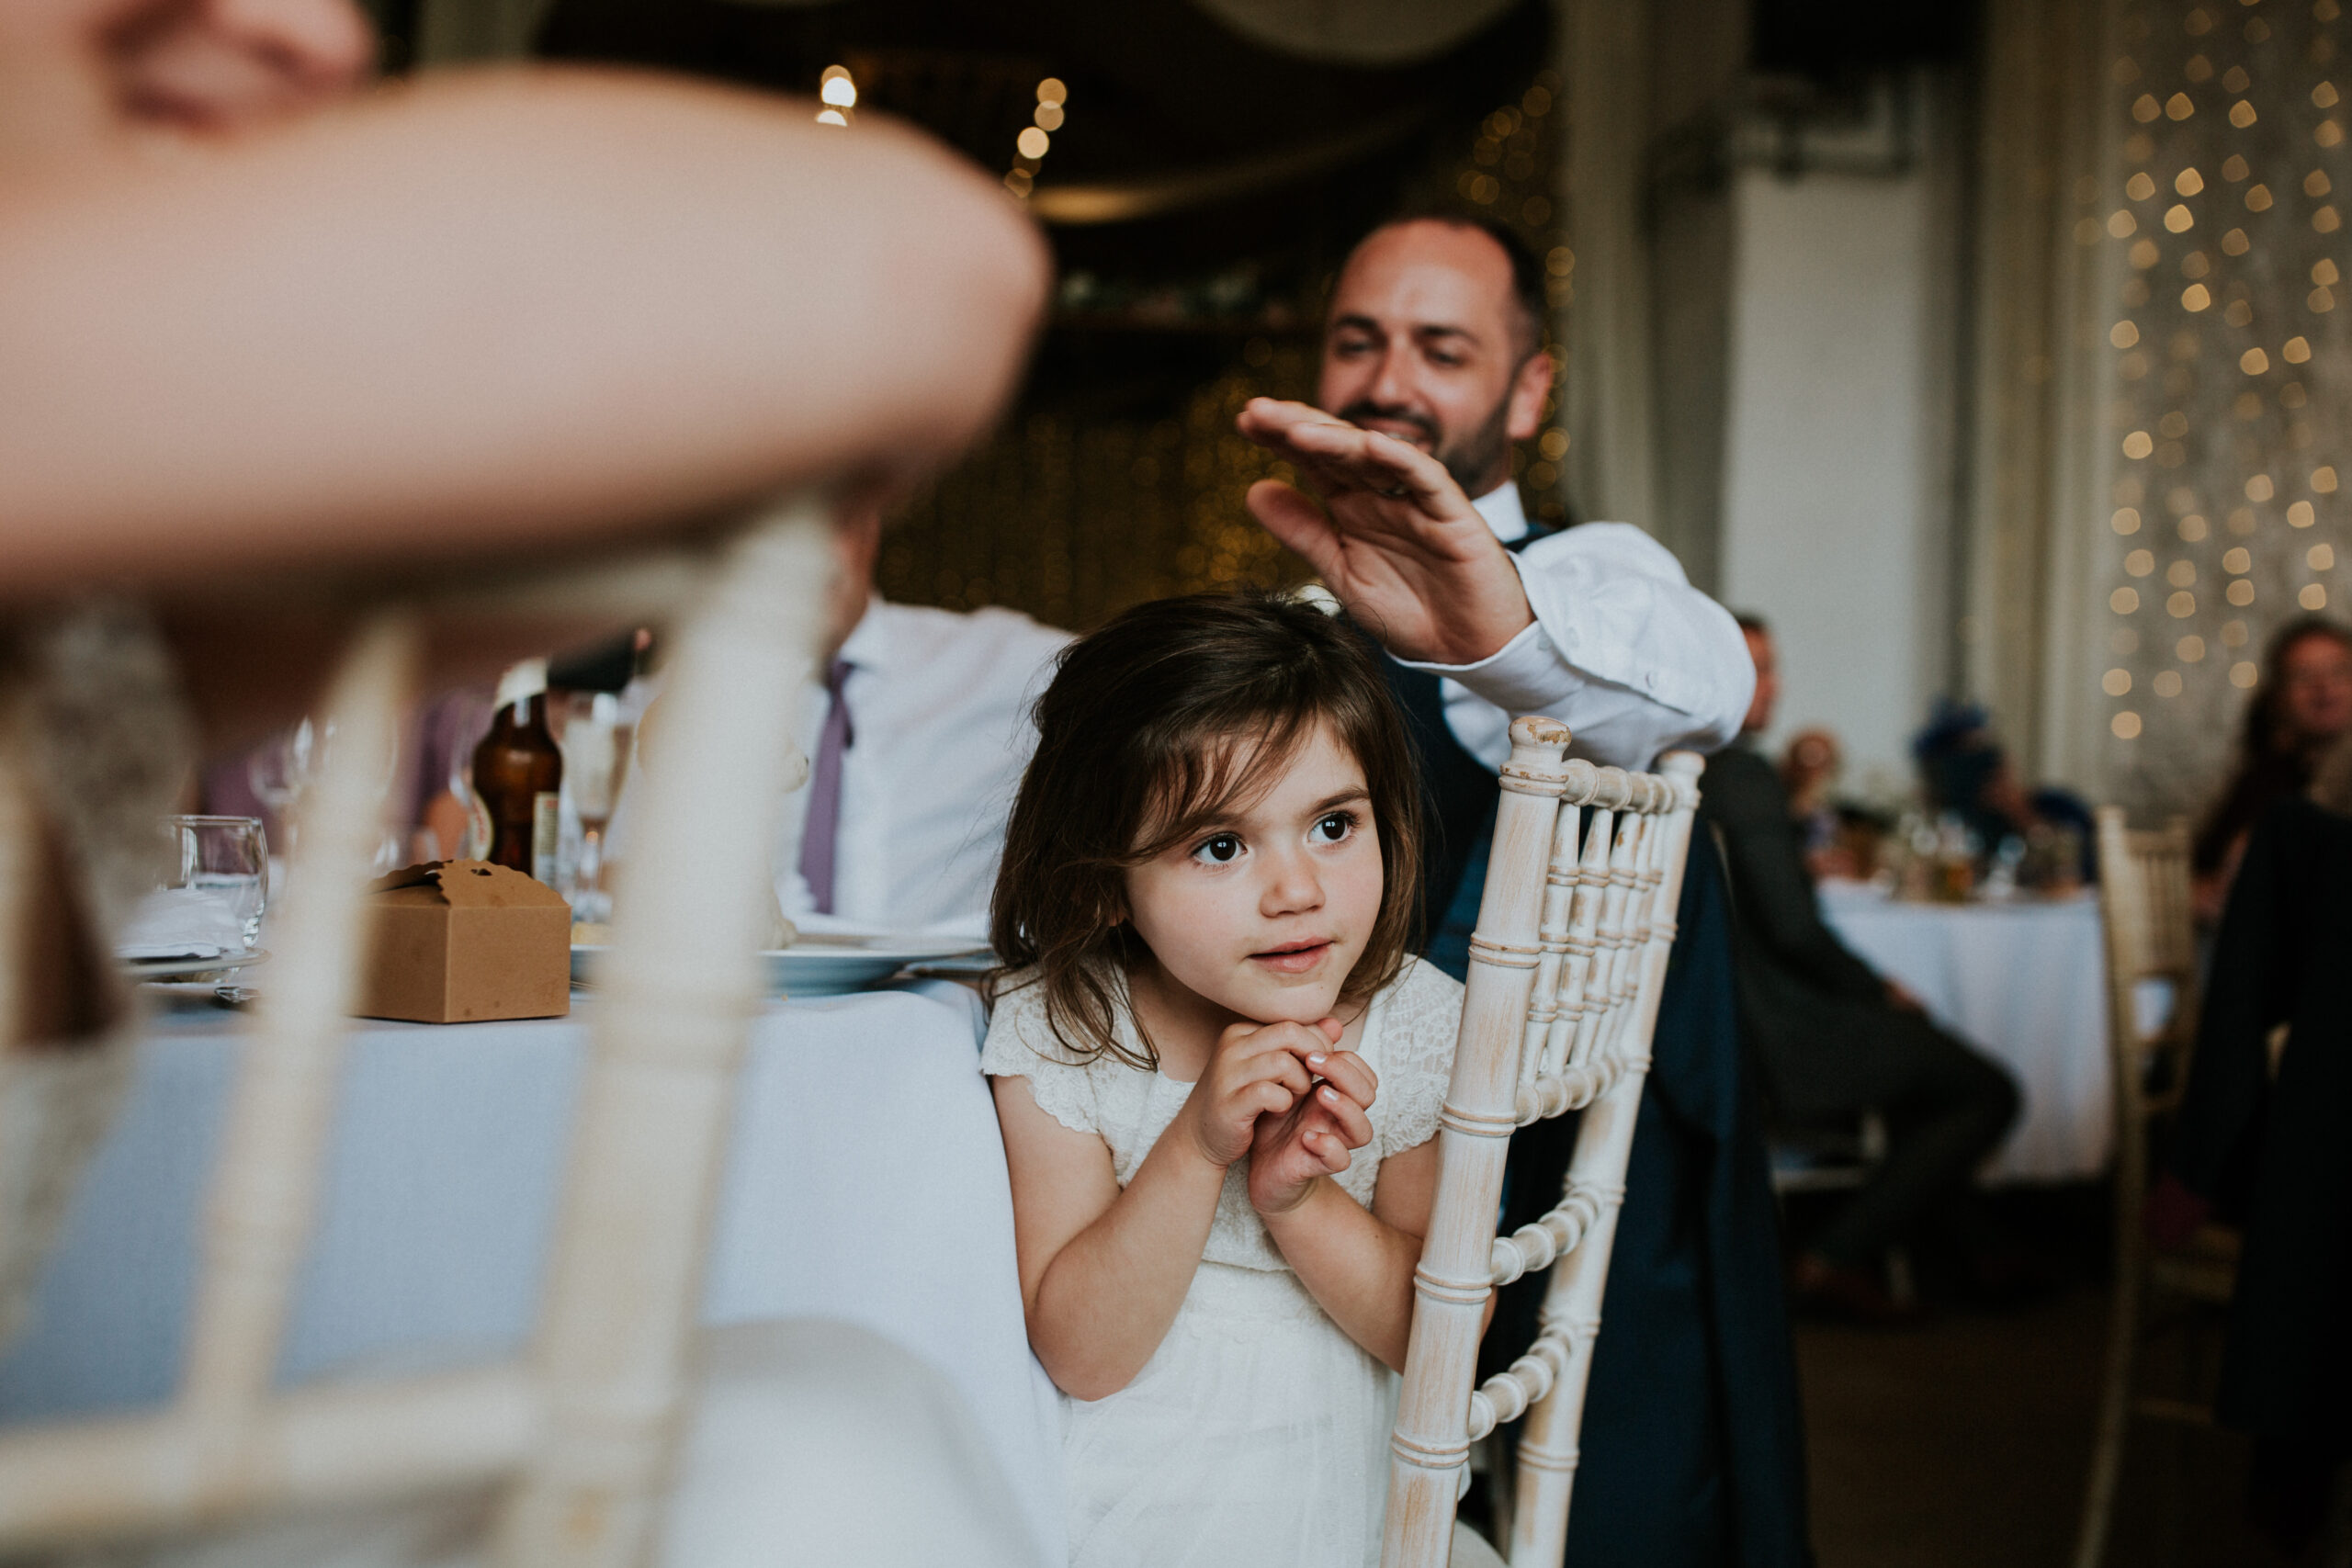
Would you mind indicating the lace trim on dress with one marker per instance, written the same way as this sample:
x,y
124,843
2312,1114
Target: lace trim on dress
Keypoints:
x,y
1022,1045
1422,1017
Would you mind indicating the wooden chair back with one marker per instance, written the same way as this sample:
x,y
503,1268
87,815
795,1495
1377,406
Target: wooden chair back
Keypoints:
x,y
1575,927
581,1427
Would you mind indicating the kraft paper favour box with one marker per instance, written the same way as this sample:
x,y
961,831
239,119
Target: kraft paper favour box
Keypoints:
x,y
463,940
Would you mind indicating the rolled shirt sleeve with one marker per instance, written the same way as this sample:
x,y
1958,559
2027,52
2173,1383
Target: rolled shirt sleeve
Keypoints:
x,y
1623,651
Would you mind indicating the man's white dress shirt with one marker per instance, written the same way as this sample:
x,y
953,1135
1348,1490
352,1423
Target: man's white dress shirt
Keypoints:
x,y
1623,651
939,706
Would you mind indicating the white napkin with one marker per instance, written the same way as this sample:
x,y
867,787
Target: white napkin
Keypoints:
x,y
182,923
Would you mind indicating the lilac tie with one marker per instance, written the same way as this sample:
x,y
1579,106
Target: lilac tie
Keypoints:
x,y
820,833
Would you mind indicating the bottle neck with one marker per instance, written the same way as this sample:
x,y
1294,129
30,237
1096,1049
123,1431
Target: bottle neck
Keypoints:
x,y
526,714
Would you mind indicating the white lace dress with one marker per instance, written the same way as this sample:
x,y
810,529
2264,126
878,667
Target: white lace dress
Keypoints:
x,y
1258,1432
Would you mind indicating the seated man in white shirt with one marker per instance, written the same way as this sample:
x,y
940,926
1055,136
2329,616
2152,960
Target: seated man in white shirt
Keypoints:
x,y
1434,362
915,747
1435,340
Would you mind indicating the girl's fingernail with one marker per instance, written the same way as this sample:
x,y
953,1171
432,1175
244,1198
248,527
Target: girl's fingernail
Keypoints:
x,y
1314,1059
1329,1097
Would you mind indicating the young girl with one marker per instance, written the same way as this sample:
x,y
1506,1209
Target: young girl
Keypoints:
x,y
1219,1072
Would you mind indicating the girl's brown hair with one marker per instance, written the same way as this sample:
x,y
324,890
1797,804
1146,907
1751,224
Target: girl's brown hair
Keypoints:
x,y
1174,713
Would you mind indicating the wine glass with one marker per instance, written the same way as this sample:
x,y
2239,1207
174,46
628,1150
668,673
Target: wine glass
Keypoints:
x,y
595,757
282,771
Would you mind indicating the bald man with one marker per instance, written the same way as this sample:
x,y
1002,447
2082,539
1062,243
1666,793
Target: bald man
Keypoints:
x,y
1433,365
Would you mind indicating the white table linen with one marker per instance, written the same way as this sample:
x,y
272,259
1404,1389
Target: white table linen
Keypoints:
x,y
2024,983
865,1181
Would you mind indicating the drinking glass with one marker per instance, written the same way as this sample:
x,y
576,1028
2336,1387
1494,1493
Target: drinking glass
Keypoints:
x,y
219,865
283,770
596,756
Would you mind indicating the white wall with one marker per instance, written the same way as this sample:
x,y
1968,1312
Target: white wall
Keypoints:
x,y
1837,516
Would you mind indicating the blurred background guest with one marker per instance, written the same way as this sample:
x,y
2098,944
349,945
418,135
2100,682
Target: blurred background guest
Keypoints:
x,y
1968,777
1809,769
2302,704
1967,771
917,729
916,745
2261,1141
1837,1039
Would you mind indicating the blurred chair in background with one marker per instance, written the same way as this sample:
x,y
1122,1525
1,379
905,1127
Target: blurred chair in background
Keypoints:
x,y
1838,1041
2151,1021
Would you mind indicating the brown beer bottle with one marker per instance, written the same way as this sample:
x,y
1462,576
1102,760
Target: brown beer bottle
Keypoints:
x,y
518,776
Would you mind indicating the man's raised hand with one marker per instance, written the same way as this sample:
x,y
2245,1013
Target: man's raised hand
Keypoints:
x,y
1400,544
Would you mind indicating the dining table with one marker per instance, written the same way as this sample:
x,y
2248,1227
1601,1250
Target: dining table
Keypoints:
x,y
2021,979
865,1182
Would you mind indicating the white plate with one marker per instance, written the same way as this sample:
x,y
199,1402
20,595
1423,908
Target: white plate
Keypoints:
x,y
832,963
144,969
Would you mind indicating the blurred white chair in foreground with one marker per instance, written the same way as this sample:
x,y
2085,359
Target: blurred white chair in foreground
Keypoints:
x,y
574,1444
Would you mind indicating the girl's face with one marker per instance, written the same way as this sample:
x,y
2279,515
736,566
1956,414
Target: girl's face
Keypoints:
x,y
1264,913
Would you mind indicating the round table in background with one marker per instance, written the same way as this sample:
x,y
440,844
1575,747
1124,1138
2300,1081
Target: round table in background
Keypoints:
x,y
2022,981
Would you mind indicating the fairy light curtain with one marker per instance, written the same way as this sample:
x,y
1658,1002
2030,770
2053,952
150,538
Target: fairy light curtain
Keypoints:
x,y
2221,224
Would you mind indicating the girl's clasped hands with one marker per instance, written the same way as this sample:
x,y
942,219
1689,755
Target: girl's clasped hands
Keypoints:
x,y
1282,1094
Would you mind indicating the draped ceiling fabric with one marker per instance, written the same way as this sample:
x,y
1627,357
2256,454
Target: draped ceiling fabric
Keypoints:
x,y
2161,430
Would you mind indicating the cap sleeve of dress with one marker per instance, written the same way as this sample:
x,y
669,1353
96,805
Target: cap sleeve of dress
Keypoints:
x,y
1423,1014
1021,1044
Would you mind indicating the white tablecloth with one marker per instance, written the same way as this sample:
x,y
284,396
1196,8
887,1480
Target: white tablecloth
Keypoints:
x,y
2024,982
865,1181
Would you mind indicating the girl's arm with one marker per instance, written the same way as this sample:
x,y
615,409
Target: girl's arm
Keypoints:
x,y
1103,1271
1358,1262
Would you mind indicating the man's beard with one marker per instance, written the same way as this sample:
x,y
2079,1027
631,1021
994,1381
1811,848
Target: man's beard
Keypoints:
x,y
1478,461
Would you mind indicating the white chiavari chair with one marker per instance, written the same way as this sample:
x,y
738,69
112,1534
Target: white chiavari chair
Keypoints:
x,y
1575,928
2143,893
579,1432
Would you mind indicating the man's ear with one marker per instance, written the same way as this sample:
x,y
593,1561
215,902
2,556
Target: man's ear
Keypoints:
x,y
227,65
1529,386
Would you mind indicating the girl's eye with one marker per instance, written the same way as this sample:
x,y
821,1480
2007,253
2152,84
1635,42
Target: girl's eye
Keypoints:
x,y
1331,829
1223,850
